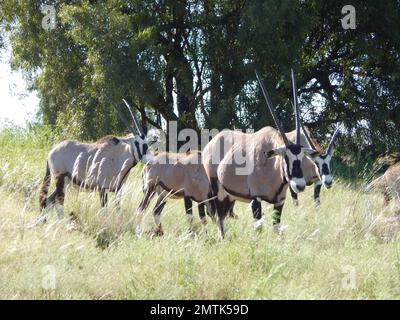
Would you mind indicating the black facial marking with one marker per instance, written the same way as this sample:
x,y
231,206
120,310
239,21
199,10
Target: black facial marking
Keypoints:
x,y
296,170
145,148
138,149
115,140
295,148
269,154
325,169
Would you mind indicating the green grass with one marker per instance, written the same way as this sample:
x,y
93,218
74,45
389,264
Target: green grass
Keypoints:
x,y
104,259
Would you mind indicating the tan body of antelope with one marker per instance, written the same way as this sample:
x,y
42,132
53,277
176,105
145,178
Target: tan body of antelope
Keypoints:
x,y
389,182
103,166
277,163
175,175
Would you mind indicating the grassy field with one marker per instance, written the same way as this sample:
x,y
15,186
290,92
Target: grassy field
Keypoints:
x,y
346,249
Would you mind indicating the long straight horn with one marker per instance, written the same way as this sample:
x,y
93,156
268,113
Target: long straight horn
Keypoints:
x,y
123,119
271,109
296,107
308,138
332,143
305,133
135,120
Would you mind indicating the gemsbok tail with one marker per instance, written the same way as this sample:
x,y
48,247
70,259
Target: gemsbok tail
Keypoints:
x,y
45,188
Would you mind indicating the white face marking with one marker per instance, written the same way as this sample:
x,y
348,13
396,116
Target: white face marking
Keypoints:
x,y
326,179
157,220
147,158
291,158
297,184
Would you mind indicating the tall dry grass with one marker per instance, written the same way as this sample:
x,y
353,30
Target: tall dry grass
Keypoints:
x,y
348,248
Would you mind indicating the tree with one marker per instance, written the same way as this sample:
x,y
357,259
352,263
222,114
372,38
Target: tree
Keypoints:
x,y
194,61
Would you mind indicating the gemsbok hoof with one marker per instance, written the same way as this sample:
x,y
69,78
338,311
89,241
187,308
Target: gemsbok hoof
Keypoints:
x,y
233,215
259,225
157,231
278,228
73,222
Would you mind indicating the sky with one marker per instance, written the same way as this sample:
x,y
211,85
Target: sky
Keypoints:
x,y
17,104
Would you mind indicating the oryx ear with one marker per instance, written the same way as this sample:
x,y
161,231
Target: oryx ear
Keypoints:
x,y
275,152
311,153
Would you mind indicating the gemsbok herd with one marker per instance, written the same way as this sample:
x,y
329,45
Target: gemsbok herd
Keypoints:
x,y
233,166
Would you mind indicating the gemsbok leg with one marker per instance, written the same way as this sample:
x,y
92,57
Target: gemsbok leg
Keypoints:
x,y
222,211
221,217
149,192
257,214
317,191
387,196
103,197
202,213
294,197
118,197
161,201
231,213
148,195
60,194
189,210
276,216
56,198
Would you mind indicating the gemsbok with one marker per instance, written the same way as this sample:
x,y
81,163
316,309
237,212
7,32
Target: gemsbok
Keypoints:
x,y
252,167
176,175
103,165
318,169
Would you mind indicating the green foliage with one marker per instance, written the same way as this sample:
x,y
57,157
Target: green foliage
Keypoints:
x,y
194,61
